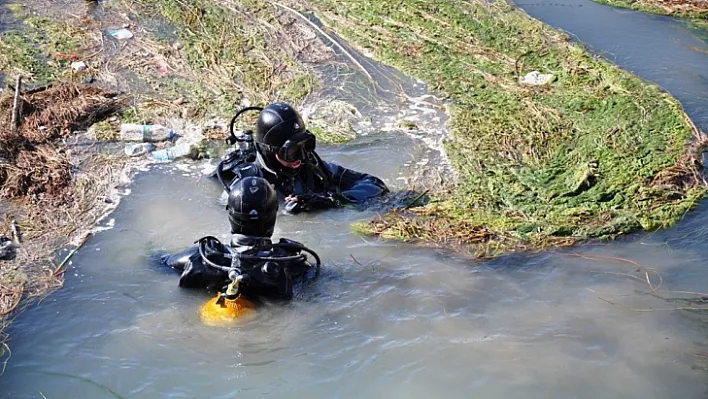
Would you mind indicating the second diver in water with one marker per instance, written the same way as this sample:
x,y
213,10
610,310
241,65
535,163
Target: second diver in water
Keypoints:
x,y
252,265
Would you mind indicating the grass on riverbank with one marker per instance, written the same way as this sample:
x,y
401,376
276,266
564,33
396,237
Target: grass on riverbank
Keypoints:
x,y
218,56
695,11
39,47
227,47
229,54
595,153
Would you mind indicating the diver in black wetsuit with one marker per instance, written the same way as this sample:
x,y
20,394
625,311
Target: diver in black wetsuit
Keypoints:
x,y
252,264
284,154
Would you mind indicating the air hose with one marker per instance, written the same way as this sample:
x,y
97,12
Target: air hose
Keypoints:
x,y
232,139
244,256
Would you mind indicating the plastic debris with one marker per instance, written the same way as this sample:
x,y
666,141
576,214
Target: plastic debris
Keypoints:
x,y
133,132
536,78
121,34
133,150
172,153
78,66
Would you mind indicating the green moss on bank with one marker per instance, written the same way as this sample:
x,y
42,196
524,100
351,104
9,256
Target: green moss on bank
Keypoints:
x,y
596,153
695,11
35,47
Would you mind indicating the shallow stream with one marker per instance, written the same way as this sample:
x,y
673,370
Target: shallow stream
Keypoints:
x,y
385,319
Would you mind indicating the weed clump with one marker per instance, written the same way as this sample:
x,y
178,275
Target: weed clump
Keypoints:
x,y
30,163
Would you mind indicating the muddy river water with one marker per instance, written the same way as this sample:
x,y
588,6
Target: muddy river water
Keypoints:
x,y
386,319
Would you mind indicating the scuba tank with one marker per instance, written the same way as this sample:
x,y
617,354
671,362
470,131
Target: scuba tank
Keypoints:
x,y
266,269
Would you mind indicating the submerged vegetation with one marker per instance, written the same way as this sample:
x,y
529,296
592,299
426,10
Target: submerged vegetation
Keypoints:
x,y
595,153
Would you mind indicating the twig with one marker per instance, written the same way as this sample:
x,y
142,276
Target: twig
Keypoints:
x,y
16,105
639,268
16,235
32,91
6,349
687,292
103,387
651,309
625,307
356,261
318,29
700,355
412,203
59,268
359,263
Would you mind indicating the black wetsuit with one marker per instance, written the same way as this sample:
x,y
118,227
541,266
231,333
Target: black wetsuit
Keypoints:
x,y
261,277
329,183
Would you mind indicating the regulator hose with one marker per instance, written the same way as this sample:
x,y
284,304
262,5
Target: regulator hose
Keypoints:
x,y
202,243
231,140
244,256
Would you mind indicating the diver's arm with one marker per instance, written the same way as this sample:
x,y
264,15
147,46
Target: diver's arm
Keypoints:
x,y
353,186
345,185
195,273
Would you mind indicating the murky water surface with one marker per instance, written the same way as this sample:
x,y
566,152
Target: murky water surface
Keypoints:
x,y
384,319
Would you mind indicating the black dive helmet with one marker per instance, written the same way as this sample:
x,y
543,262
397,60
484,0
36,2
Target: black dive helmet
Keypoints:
x,y
252,207
281,131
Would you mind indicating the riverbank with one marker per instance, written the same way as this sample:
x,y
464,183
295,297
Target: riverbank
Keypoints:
x,y
695,11
594,153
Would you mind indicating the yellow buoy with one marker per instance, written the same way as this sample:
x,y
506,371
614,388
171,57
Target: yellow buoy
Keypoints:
x,y
223,312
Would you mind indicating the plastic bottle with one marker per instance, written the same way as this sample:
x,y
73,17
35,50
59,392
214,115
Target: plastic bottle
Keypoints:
x,y
133,150
172,153
133,132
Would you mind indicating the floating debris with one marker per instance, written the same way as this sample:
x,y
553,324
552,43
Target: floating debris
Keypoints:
x,y
133,150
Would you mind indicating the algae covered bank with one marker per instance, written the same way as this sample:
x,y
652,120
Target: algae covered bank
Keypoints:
x,y
594,152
